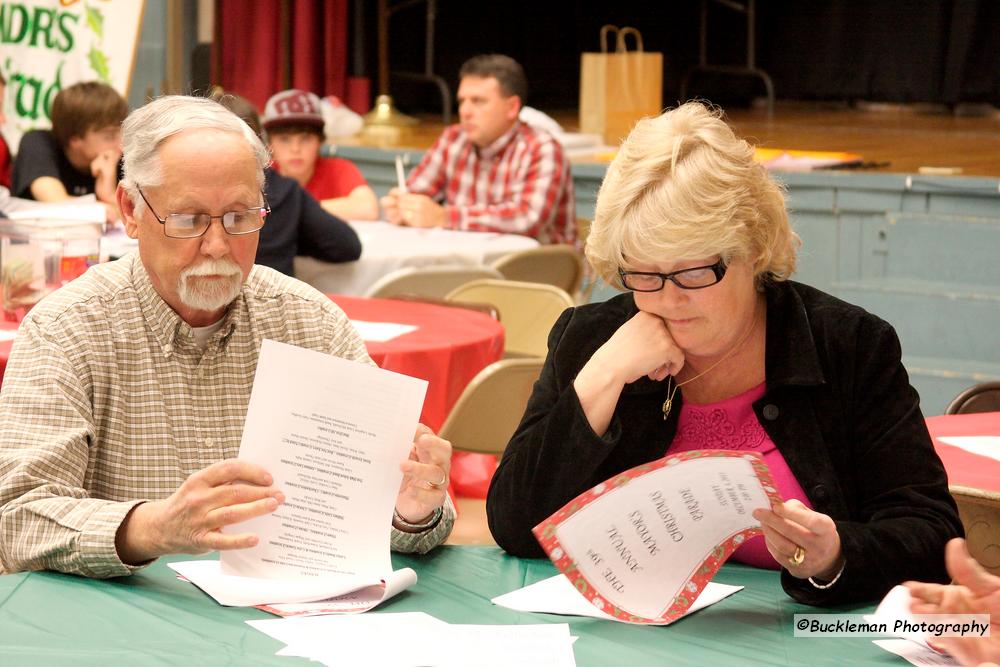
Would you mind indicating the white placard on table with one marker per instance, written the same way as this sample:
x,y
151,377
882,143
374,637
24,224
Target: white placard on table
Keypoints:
x,y
556,595
381,332
981,445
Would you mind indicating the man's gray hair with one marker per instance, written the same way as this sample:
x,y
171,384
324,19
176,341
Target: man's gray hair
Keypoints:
x,y
146,128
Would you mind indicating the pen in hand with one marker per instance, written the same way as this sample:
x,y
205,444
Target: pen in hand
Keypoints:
x,y
400,177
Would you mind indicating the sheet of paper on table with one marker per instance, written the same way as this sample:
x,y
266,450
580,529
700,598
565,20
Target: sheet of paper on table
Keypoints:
x,y
799,160
643,545
915,654
416,639
556,595
381,332
355,602
335,596
983,445
332,433
82,210
116,243
895,607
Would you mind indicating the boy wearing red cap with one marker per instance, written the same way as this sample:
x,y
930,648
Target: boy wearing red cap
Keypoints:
x,y
293,122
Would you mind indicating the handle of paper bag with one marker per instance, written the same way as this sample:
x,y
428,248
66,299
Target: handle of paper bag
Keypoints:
x,y
605,29
629,30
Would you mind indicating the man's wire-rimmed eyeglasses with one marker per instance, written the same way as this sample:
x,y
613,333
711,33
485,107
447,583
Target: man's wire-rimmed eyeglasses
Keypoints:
x,y
193,225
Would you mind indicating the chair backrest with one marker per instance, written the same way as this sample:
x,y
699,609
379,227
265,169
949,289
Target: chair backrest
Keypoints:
x,y
491,406
583,230
527,311
432,281
980,513
983,397
558,265
484,308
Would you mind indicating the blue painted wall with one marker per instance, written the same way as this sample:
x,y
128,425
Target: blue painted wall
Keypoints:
x,y
922,252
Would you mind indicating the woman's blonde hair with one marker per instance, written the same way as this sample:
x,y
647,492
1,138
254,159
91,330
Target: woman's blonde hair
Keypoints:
x,y
684,186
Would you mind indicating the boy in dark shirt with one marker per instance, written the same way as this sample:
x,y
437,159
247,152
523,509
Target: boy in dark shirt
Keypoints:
x,y
297,224
80,154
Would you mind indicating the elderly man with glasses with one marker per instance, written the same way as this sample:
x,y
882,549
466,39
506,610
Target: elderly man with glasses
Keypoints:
x,y
124,400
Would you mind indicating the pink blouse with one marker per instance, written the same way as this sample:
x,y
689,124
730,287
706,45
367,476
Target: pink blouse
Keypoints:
x,y
732,424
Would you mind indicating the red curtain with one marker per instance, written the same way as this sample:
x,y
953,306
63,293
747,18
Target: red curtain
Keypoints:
x,y
258,53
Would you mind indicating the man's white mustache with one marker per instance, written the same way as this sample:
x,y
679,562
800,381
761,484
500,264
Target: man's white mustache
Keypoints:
x,y
213,267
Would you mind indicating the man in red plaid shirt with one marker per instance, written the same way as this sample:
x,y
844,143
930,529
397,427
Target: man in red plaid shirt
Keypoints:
x,y
491,172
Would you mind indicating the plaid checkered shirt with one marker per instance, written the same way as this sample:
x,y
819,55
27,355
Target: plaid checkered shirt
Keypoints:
x,y
107,401
519,184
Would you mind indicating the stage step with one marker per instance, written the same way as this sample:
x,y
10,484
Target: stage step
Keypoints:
x,y
951,248
933,318
938,380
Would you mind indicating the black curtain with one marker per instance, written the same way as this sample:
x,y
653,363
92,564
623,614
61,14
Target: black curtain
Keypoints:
x,y
938,51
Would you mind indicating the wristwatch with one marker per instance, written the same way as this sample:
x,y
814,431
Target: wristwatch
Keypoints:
x,y
402,524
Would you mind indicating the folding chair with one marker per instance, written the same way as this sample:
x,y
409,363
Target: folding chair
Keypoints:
x,y
527,311
491,406
430,281
980,513
984,397
558,265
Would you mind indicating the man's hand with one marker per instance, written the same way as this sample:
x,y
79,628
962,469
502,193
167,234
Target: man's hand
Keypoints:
x,y
420,211
191,520
111,215
425,477
390,206
104,169
975,591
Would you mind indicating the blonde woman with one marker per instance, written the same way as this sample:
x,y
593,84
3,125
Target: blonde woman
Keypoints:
x,y
712,347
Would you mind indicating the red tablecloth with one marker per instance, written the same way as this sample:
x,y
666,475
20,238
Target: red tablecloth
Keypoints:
x,y
965,468
448,348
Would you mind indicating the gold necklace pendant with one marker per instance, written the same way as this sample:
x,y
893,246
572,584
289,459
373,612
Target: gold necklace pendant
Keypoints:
x,y
671,392
672,388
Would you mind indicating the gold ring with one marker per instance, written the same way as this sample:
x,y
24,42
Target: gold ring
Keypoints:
x,y
798,557
443,482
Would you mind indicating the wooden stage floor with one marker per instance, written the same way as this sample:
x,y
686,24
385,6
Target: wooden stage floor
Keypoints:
x,y
902,137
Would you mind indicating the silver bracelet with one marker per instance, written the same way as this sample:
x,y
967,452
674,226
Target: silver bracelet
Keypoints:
x,y
830,583
402,524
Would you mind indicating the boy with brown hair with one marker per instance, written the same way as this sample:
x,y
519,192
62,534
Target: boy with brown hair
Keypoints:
x,y
80,154
297,224
293,122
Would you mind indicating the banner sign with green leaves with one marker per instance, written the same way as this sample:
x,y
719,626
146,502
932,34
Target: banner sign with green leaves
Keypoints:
x,y
47,45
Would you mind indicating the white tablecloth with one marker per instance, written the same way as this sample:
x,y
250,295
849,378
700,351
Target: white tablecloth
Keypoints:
x,y
386,247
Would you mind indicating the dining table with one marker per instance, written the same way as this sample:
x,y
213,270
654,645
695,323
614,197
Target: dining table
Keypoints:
x,y
969,463
154,618
386,248
445,346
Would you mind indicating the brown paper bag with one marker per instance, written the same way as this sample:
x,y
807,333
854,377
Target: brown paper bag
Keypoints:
x,y
620,87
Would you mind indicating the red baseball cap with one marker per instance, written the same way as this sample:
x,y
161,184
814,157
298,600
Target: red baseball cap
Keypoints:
x,y
292,107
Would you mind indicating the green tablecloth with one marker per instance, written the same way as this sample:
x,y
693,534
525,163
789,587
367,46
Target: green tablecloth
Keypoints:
x,y
154,619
